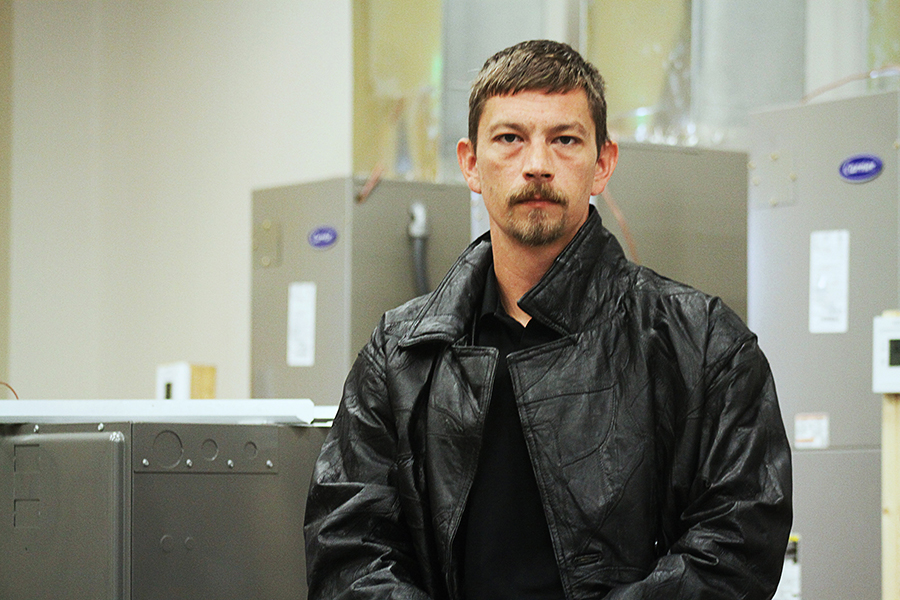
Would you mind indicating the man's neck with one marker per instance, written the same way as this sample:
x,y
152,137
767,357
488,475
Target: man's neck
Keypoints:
x,y
518,269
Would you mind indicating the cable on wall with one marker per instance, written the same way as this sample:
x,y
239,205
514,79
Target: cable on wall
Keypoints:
x,y
10,389
873,74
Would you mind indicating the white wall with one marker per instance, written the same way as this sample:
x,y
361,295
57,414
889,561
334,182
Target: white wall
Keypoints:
x,y
139,130
5,188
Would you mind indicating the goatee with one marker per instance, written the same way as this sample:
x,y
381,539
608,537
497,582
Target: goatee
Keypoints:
x,y
537,227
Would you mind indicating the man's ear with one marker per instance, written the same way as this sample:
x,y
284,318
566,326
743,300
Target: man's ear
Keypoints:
x,y
606,164
465,154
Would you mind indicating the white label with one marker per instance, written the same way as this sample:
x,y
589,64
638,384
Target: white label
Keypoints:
x,y
829,275
789,586
301,324
173,381
811,431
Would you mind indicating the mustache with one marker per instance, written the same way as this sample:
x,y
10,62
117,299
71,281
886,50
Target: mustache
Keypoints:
x,y
537,190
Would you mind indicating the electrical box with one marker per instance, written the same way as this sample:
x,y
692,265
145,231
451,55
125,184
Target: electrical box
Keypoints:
x,y
823,260
329,258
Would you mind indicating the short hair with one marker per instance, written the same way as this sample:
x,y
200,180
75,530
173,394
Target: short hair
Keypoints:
x,y
538,65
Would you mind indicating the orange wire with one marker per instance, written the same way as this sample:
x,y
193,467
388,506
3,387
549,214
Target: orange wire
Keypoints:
x,y
623,224
873,74
10,389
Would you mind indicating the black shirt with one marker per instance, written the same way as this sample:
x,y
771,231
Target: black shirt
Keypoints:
x,y
507,547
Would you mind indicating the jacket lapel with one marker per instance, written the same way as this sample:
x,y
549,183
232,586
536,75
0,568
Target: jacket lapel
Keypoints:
x,y
457,405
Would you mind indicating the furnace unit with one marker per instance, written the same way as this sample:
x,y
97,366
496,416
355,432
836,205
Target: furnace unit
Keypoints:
x,y
822,262
329,258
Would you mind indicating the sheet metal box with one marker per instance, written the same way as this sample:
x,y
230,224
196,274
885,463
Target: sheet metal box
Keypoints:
x,y
154,511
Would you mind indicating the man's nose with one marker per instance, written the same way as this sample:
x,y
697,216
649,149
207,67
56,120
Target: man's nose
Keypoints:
x,y
538,164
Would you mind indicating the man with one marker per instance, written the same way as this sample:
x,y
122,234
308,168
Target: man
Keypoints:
x,y
552,421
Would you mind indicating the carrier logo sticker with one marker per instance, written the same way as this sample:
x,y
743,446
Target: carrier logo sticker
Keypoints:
x,y
322,237
861,168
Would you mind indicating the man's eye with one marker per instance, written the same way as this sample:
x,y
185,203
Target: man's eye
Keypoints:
x,y
508,138
567,140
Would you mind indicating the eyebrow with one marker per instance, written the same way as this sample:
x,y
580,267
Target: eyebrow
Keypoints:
x,y
574,126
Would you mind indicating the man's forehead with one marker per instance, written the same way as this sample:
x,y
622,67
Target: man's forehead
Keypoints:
x,y
561,108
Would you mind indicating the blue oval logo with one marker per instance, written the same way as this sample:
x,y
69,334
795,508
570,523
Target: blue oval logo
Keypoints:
x,y
861,168
322,237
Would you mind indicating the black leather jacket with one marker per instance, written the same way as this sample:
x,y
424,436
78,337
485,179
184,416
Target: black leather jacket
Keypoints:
x,y
652,425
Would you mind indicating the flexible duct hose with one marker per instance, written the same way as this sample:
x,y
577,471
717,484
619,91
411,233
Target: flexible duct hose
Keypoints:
x,y
418,235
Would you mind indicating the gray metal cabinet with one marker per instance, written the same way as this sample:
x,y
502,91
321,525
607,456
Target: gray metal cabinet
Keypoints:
x,y
154,511
799,200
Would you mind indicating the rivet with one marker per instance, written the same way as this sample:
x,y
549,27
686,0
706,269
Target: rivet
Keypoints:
x,y
37,428
101,427
230,464
189,463
269,464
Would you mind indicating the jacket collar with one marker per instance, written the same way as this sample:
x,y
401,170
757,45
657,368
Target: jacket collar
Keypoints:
x,y
562,299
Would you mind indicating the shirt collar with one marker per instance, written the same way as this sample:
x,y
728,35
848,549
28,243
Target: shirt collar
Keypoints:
x,y
490,301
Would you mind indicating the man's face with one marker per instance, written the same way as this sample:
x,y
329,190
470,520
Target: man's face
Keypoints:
x,y
537,165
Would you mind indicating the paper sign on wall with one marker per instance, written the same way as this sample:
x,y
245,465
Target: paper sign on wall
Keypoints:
x,y
811,431
829,275
301,324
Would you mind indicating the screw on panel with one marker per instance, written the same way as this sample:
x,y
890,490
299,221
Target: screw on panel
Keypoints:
x,y
269,464
189,463
145,462
101,427
37,428
230,464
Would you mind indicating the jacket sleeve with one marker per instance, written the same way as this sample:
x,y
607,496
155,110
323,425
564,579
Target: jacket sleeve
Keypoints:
x,y
728,509
356,543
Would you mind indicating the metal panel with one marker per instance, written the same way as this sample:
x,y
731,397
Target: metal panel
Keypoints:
x,y
63,515
367,271
837,511
686,208
196,448
295,211
795,189
226,533
83,517
824,372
